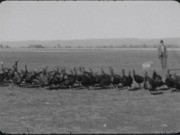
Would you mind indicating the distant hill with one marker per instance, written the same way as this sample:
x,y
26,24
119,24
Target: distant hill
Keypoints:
x,y
116,42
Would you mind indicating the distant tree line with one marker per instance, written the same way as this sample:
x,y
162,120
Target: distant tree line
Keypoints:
x,y
116,46
4,46
99,46
36,46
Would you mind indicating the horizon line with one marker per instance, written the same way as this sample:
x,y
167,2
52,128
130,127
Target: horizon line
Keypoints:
x,y
84,39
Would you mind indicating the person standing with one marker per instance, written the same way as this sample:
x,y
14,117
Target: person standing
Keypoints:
x,y
162,52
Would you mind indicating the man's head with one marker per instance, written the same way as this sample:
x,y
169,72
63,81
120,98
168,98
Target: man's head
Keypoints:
x,y
162,42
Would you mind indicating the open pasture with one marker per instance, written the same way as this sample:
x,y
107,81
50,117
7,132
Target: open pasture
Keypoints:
x,y
94,58
37,110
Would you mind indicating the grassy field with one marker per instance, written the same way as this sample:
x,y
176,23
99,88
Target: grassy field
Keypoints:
x,y
94,58
38,110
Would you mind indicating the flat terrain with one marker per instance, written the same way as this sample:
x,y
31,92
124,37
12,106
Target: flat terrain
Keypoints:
x,y
94,58
36,110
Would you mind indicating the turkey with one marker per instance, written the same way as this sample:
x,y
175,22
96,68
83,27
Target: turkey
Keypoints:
x,y
92,79
3,77
4,73
42,78
115,78
89,79
3,69
177,82
78,76
151,83
69,79
98,78
12,71
170,82
158,79
137,78
146,81
53,78
130,79
19,77
56,79
156,76
126,81
105,79
83,78
32,77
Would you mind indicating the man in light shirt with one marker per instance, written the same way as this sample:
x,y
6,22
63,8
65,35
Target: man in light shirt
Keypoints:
x,y
162,52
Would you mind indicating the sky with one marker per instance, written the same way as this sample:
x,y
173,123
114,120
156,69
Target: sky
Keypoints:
x,y
67,20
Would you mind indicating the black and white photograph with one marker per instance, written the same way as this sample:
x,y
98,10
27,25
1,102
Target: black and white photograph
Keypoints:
x,y
83,67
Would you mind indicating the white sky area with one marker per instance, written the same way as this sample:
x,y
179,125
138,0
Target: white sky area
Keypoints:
x,y
67,20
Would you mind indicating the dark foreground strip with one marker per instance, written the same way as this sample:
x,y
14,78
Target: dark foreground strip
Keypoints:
x,y
178,133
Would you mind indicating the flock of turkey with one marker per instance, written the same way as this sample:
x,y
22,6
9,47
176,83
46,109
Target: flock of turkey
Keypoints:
x,y
81,78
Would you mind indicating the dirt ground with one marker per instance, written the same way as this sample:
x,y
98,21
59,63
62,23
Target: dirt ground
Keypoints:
x,y
37,110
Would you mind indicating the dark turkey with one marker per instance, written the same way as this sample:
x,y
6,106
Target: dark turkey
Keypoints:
x,y
177,81
105,79
137,78
115,78
170,82
126,81
158,79
130,79
151,83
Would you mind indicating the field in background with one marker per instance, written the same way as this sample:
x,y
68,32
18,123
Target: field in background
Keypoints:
x,y
83,111
94,58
